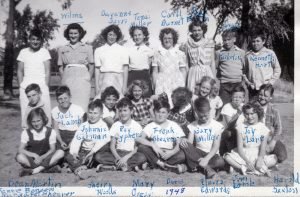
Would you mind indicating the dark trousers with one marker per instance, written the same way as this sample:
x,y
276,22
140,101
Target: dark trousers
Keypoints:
x,y
152,158
74,164
280,151
67,136
226,91
228,141
193,154
107,158
253,94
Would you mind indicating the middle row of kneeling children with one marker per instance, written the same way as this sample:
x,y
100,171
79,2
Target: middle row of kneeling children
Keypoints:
x,y
162,143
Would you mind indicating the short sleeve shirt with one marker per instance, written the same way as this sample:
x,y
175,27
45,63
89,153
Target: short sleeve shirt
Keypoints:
x,y
252,135
140,57
164,135
111,58
228,110
38,136
126,134
82,54
70,120
34,68
205,135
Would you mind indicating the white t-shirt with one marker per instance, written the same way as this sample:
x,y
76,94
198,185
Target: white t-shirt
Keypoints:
x,y
90,136
215,103
139,57
252,135
108,113
38,136
228,110
164,135
111,58
34,68
205,135
126,134
70,120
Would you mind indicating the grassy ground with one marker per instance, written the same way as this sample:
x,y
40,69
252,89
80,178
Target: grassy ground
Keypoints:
x,y
10,137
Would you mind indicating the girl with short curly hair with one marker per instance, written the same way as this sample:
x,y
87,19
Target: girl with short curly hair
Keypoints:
x,y
111,62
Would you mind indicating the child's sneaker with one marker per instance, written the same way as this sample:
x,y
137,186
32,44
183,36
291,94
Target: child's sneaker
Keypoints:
x,y
54,169
85,174
102,167
181,168
145,166
209,172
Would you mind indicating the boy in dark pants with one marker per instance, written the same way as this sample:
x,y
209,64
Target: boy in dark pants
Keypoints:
x,y
273,122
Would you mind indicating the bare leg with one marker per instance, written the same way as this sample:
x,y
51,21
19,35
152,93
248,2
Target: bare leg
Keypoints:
x,y
232,162
59,154
22,159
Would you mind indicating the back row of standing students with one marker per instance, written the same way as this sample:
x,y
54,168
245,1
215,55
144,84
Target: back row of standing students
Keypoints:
x,y
170,66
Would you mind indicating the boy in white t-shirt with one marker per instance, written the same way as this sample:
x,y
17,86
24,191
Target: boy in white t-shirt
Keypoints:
x,y
160,139
206,132
231,112
123,150
66,117
92,136
34,96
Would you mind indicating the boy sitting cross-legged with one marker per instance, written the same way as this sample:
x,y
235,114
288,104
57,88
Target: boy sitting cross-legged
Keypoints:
x,y
206,132
92,136
123,150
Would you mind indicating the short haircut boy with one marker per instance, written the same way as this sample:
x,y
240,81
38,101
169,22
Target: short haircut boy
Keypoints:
x,y
229,34
95,104
201,103
33,86
238,88
183,96
110,91
125,102
258,34
267,87
161,103
61,90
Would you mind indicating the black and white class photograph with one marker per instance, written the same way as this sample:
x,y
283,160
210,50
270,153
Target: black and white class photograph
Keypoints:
x,y
148,98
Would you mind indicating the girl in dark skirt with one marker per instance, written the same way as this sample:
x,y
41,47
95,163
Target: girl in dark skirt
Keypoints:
x,y
140,57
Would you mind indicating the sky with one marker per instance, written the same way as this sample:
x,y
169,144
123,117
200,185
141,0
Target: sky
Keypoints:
x,y
95,15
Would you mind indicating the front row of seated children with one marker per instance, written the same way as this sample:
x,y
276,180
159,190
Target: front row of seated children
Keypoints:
x,y
162,143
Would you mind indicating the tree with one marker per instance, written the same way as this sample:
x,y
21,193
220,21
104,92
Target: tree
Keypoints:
x,y
16,35
252,15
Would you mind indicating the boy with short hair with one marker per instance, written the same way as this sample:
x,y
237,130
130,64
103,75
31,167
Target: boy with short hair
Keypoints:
x,y
34,95
230,63
66,117
273,122
160,140
123,150
262,65
206,132
109,98
92,136
231,113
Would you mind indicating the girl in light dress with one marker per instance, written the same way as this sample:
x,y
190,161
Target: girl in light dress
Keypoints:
x,y
250,155
169,64
200,54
